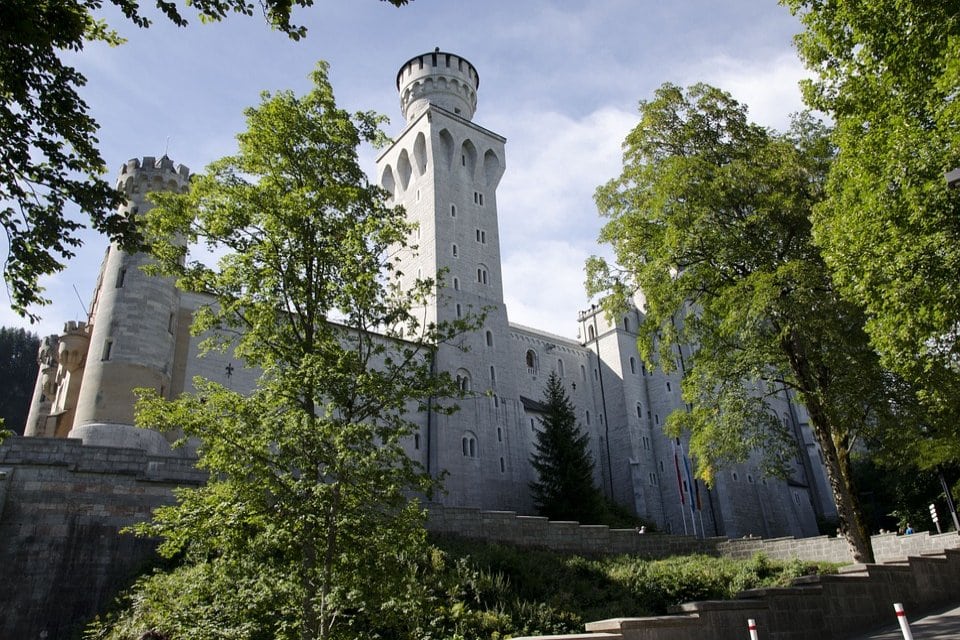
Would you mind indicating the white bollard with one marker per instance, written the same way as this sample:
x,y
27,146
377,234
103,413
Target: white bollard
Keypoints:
x,y
752,626
902,619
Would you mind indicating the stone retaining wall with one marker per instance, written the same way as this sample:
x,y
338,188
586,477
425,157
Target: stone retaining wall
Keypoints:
x,y
62,506
830,607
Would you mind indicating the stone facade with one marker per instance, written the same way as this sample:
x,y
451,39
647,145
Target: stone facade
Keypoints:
x,y
444,169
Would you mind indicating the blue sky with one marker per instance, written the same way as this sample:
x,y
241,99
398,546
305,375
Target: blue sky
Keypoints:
x,y
559,79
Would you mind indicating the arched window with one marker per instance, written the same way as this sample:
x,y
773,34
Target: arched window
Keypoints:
x,y
639,411
531,360
626,323
453,250
633,365
489,335
493,375
483,277
456,284
583,372
559,367
453,211
463,379
468,444
591,333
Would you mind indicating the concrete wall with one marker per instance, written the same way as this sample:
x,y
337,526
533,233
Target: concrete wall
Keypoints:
x,y
62,506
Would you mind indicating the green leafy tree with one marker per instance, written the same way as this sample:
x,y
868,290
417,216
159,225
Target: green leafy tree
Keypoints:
x,y
18,375
710,220
564,489
48,145
887,74
308,475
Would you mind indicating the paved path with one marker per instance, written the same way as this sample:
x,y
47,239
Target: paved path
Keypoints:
x,y
943,624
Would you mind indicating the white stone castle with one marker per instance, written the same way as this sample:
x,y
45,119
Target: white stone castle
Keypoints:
x,y
444,170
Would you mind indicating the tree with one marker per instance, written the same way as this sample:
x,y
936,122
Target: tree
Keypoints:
x,y
308,506
18,375
48,155
564,489
887,74
710,220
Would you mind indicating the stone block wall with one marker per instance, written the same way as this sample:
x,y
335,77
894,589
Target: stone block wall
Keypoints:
x,y
533,531
62,506
886,547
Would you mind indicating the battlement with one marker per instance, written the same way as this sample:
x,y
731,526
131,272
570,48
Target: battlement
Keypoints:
x,y
440,78
140,176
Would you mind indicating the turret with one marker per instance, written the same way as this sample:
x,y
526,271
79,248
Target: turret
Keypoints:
x,y
442,79
134,318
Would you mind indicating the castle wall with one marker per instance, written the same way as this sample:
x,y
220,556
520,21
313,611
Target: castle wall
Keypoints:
x,y
62,506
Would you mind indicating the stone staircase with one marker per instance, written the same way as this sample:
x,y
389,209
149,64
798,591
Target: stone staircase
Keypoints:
x,y
856,600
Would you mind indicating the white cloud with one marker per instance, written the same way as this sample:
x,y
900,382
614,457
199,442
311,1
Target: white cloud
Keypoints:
x,y
769,87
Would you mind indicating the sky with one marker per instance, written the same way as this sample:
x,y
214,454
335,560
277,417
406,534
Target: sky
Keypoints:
x,y
560,79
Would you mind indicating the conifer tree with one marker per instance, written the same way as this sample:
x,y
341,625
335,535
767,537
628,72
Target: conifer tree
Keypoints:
x,y
565,489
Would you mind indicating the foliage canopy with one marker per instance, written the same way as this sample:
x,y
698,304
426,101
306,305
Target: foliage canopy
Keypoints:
x,y
887,72
710,223
309,507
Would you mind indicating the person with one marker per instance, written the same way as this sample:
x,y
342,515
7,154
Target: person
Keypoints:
x,y
642,529
909,529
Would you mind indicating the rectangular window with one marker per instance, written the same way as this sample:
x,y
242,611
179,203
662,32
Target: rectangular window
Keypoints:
x,y
107,348
121,276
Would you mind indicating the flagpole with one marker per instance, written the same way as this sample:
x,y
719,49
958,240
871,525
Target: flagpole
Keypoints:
x,y
683,504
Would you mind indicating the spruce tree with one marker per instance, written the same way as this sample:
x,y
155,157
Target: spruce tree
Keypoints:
x,y
565,489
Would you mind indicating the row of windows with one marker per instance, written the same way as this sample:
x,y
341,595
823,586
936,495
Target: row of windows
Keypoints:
x,y
481,235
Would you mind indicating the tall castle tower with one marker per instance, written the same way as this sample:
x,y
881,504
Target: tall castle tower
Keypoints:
x,y
444,170
88,373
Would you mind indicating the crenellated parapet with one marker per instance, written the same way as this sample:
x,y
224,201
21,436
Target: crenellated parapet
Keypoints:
x,y
443,79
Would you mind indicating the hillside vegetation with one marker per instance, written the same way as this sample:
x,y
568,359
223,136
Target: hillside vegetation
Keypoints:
x,y
465,590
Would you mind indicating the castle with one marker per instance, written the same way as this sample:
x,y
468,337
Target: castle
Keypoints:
x,y
444,170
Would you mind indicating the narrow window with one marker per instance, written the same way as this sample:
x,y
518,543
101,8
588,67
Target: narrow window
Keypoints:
x,y
588,417
656,418
640,412
121,276
463,159
583,372
493,374
503,468
481,199
533,425
453,211
418,195
456,284
107,348
489,338
459,311
668,386
170,323
453,250
591,333
473,448
499,433
559,367
416,441
633,365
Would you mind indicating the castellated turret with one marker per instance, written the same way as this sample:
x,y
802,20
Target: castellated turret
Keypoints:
x,y
442,79
133,321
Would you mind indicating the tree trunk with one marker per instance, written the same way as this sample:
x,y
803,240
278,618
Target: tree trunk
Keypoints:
x,y
833,442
